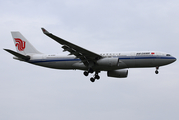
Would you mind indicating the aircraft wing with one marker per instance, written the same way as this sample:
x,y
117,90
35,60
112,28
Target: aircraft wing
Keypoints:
x,y
85,55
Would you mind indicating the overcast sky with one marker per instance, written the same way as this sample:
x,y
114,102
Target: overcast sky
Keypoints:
x,y
29,92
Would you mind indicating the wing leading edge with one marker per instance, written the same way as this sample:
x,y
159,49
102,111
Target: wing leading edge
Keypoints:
x,y
85,55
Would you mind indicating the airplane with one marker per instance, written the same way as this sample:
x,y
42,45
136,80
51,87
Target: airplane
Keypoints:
x,y
115,64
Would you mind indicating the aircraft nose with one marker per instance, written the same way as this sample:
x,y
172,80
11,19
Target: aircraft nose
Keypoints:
x,y
173,59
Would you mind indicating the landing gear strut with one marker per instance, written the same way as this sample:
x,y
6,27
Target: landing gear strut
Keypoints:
x,y
156,72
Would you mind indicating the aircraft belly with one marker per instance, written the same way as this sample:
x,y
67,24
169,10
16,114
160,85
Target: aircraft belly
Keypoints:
x,y
79,65
144,62
129,62
61,64
133,62
161,62
58,64
150,62
107,67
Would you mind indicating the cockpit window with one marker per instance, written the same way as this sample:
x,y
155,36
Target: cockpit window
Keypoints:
x,y
168,55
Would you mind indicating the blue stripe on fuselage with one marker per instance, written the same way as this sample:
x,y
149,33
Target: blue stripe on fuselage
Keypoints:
x,y
145,57
57,60
120,57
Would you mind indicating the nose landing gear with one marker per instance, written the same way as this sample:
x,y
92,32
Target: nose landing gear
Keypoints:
x,y
156,71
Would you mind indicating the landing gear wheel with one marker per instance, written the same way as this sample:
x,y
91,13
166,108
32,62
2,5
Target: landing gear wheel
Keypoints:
x,y
92,79
156,72
86,73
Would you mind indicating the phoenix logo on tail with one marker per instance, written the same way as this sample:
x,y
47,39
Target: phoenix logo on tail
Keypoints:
x,y
20,44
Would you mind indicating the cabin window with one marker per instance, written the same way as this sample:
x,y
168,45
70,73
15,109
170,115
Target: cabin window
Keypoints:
x,y
168,55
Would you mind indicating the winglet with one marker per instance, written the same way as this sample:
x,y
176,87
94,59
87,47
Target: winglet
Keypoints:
x,y
44,31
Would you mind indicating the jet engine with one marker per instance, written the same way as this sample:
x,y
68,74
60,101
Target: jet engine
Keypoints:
x,y
117,73
108,62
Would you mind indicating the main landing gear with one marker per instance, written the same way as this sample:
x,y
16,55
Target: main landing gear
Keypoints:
x,y
156,71
96,76
92,79
86,73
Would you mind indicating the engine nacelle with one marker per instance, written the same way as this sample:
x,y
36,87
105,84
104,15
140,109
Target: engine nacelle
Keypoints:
x,y
118,73
108,61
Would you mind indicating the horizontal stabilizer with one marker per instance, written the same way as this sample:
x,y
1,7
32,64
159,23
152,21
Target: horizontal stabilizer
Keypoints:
x,y
26,58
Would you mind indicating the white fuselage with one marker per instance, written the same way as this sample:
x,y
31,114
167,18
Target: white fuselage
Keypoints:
x,y
110,61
